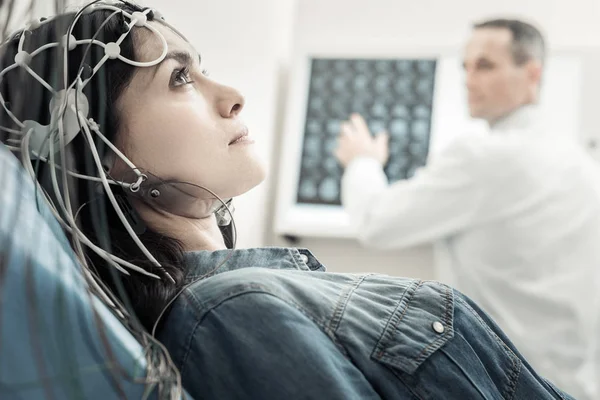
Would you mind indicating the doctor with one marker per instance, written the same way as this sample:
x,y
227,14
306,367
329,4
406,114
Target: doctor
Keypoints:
x,y
515,214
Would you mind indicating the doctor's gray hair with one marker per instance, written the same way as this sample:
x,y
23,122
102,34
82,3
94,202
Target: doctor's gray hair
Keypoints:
x,y
527,41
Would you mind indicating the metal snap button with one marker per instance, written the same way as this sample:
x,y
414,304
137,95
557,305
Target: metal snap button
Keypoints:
x,y
438,327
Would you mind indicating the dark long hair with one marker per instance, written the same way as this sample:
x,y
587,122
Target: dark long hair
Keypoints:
x,y
29,100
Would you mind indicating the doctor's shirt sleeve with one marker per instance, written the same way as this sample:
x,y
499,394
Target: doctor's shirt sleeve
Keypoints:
x,y
441,199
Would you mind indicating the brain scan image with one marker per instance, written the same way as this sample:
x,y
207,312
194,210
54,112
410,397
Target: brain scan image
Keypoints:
x,y
392,95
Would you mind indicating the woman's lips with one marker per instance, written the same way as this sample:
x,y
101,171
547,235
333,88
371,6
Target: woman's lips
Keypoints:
x,y
241,137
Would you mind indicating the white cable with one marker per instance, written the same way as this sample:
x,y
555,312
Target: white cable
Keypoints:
x,y
109,7
12,148
10,114
72,228
66,49
67,211
29,168
130,26
122,156
155,62
16,132
101,62
90,41
90,280
125,185
95,70
39,79
84,177
128,61
115,261
105,58
64,203
70,225
111,196
116,11
49,46
79,15
66,55
8,69
44,47
22,40
37,23
70,33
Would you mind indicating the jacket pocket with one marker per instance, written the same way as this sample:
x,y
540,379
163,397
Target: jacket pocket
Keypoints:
x,y
421,323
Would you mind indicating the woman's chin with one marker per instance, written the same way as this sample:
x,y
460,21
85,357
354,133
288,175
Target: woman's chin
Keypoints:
x,y
246,181
255,179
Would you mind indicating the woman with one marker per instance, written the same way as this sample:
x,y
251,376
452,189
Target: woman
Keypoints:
x,y
256,323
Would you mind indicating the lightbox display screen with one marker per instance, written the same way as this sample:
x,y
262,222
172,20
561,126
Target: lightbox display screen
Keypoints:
x,y
395,95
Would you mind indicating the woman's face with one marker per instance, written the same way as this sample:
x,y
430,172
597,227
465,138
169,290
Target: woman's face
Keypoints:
x,y
180,125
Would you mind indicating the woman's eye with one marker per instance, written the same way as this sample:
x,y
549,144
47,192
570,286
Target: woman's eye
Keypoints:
x,y
181,77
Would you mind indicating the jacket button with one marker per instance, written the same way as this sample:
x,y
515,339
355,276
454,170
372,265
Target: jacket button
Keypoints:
x,y
438,327
304,258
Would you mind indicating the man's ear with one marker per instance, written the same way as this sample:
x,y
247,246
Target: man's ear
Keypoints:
x,y
534,71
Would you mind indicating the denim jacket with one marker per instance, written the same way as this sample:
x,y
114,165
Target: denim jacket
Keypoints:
x,y
270,323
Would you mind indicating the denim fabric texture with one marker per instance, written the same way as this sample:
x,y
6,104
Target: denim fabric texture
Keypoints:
x,y
271,323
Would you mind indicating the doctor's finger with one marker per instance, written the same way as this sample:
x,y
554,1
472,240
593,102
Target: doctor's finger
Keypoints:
x,y
346,129
382,137
360,125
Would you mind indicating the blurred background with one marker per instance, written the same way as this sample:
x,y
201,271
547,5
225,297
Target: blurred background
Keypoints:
x,y
255,46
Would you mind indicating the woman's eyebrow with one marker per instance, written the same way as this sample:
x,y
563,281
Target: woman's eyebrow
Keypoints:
x,y
182,57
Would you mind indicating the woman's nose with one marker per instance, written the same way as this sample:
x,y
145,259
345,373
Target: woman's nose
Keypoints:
x,y
230,102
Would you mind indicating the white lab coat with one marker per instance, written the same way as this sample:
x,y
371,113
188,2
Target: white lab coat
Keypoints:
x,y
515,216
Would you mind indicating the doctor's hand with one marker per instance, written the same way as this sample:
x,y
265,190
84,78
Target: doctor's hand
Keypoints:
x,y
355,140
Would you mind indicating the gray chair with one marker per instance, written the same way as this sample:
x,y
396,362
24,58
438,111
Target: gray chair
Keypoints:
x,y
51,346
